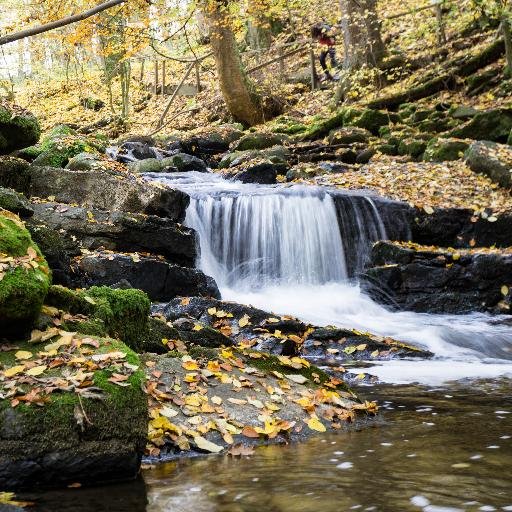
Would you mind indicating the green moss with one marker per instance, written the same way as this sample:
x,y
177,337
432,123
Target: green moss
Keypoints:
x,y
22,289
371,120
443,150
321,127
18,128
412,147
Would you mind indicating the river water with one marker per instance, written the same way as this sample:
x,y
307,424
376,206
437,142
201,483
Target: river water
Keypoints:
x,y
444,439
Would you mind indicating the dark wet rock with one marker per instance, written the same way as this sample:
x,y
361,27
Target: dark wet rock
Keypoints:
x,y
493,125
132,150
493,160
119,231
160,280
349,135
260,140
19,128
443,150
15,174
107,190
364,156
264,172
15,202
432,280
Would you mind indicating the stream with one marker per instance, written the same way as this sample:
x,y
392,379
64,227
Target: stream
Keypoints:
x,y
444,439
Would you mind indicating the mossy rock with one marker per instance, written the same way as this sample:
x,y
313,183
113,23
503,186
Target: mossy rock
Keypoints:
x,y
84,162
184,163
90,439
445,150
288,126
371,120
321,127
386,149
260,140
412,147
24,282
18,128
147,165
492,125
62,144
277,155
15,202
123,314
15,174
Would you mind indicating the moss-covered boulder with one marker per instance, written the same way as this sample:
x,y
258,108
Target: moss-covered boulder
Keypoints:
x,y
491,159
260,140
84,162
15,174
24,277
371,120
494,125
122,314
73,411
445,150
18,128
61,145
277,155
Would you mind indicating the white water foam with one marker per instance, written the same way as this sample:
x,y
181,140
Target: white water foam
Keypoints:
x,y
281,248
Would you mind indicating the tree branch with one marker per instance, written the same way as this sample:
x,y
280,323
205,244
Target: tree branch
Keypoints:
x,y
29,32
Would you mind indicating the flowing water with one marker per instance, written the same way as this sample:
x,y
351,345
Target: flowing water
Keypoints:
x,y
443,442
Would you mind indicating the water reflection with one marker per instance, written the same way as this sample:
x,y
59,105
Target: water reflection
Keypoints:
x,y
443,449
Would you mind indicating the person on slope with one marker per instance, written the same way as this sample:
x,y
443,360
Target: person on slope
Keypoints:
x,y
324,34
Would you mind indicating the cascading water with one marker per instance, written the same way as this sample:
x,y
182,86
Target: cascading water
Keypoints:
x,y
293,250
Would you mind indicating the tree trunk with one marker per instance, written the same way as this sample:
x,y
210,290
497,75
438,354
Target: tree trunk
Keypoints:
x,y
242,101
361,34
507,36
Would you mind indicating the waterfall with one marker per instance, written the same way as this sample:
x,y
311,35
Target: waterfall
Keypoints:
x,y
255,236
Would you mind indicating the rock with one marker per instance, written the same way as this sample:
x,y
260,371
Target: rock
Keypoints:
x,y
19,128
92,435
433,280
206,143
264,173
463,112
276,154
184,163
84,162
371,120
25,277
119,231
15,202
90,103
364,156
62,144
443,150
15,174
147,165
412,147
260,140
493,125
493,160
136,149
160,280
349,135
107,190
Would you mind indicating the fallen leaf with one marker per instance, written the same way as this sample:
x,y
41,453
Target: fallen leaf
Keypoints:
x,y
204,444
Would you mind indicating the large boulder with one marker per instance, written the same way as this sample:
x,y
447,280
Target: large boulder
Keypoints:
x,y
24,277
276,154
15,174
369,119
18,128
106,190
82,413
493,125
183,162
494,160
263,172
119,231
160,280
434,280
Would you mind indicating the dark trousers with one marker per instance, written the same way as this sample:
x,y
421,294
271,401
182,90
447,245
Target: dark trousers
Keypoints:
x,y
331,53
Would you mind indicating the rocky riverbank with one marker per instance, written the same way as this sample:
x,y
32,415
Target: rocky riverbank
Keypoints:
x,y
88,365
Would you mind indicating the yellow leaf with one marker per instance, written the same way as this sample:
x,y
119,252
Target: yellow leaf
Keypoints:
x,y
212,311
22,355
315,424
197,327
504,290
428,210
244,321
37,370
11,372
204,444
190,365
361,347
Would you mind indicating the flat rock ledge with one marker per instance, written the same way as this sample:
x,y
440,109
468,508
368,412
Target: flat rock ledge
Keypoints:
x,y
430,279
